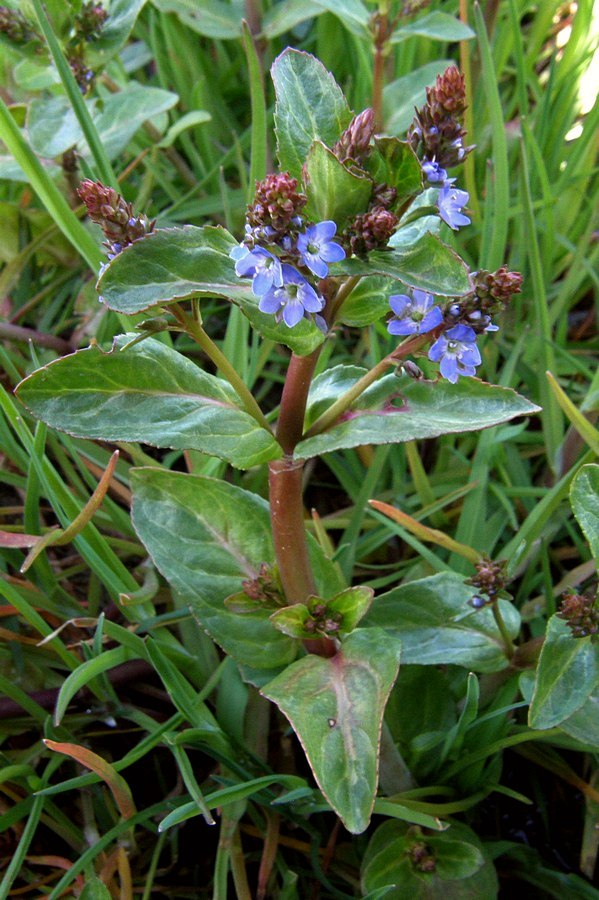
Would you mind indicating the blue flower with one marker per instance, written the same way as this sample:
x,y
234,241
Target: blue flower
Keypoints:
x,y
293,299
433,171
258,264
450,202
316,248
457,352
414,315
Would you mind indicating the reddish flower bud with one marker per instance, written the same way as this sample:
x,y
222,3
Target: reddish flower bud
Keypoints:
x,y
276,203
370,231
354,143
114,215
581,614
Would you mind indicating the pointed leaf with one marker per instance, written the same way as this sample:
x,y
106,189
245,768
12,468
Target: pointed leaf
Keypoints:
x,y
336,708
567,674
584,497
398,409
429,265
148,393
211,18
393,162
310,106
436,26
172,264
206,537
333,191
117,784
178,263
436,626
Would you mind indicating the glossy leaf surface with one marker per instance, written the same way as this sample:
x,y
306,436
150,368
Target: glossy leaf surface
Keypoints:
x,y
310,106
436,626
398,409
336,708
206,537
567,674
148,393
333,191
429,265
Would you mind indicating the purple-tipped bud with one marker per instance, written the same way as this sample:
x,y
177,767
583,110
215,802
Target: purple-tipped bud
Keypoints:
x,y
354,143
437,130
581,614
90,21
370,231
490,578
277,203
497,286
114,215
15,26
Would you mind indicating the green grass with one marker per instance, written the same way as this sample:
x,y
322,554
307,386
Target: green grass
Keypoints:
x,y
122,668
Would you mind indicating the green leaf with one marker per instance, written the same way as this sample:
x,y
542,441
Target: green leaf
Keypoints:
x,y
116,29
393,162
567,674
148,393
402,95
397,409
310,106
584,497
429,265
206,537
436,626
352,604
172,264
336,708
583,725
54,128
437,26
461,870
368,302
333,191
95,890
285,16
210,18
178,263
291,620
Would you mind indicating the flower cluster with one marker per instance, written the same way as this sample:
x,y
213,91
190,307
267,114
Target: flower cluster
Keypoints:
x,y
115,216
581,614
438,135
283,253
16,27
459,323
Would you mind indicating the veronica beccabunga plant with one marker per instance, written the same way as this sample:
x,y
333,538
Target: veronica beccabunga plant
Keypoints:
x,y
337,213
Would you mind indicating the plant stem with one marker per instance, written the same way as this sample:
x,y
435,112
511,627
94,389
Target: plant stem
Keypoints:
x,y
195,330
328,418
507,641
342,294
294,398
289,532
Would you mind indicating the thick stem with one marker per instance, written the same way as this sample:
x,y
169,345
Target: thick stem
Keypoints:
x,y
293,401
288,529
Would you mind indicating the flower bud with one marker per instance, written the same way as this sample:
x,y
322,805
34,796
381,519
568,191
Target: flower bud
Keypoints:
x,y
370,231
580,613
276,203
15,26
114,215
354,143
